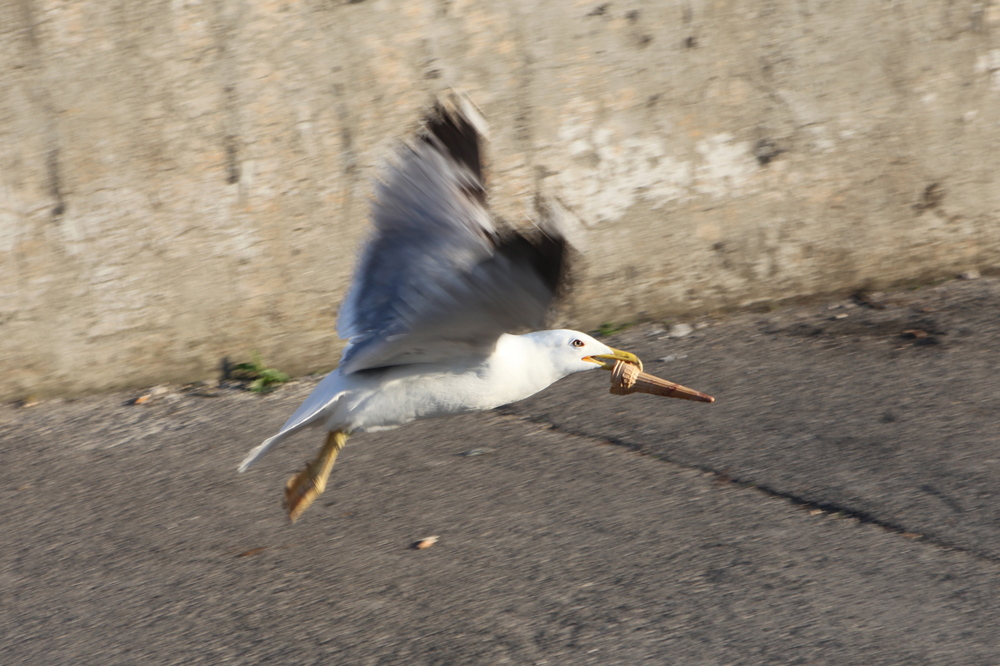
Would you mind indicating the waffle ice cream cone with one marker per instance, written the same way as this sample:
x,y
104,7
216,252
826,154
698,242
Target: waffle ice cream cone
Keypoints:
x,y
627,378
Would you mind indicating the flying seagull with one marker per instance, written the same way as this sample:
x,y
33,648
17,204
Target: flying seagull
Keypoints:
x,y
440,291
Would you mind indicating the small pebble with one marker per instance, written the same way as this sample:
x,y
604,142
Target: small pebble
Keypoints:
x,y
680,330
425,543
969,275
477,452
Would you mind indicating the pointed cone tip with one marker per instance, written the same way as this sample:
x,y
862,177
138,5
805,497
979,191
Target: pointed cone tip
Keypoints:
x,y
653,385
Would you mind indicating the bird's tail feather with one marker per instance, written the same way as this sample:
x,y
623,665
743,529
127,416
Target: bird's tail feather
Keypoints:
x,y
265,446
316,407
299,423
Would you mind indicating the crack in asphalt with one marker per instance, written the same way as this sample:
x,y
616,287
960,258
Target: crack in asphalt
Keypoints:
x,y
831,509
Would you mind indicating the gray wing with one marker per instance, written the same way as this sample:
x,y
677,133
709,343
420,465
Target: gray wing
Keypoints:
x,y
438,278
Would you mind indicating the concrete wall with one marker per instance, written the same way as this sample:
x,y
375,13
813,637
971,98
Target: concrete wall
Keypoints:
x,y
183,180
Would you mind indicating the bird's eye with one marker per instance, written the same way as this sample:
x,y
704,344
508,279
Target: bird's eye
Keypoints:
x,y
577,343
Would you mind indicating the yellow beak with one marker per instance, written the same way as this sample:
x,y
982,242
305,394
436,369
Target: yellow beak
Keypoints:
x,y
607,361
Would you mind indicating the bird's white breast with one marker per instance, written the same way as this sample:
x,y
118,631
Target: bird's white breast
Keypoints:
x,y
389,398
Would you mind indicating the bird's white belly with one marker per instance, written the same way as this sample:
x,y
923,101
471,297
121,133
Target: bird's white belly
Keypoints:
x,y
401,395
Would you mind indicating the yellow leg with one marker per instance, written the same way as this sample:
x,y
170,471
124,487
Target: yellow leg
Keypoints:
x,y
303,488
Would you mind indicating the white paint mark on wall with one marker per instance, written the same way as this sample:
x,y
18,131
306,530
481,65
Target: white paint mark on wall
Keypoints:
x,y
608,173
726,165
989,63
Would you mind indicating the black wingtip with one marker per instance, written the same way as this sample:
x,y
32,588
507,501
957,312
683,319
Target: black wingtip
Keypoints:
x,y
541,252
451,125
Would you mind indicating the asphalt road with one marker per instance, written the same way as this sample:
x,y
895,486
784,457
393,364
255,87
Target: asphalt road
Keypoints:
x,y
838,504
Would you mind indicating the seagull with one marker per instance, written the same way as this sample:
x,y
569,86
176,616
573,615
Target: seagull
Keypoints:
x,y
435,306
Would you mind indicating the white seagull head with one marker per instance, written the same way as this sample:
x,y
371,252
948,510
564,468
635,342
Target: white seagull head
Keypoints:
x,y
571,351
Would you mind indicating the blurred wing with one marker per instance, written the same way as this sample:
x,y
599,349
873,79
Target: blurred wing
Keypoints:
x,y
438,279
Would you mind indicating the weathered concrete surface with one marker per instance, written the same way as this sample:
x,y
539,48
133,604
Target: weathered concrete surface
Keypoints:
x,y
129,538
183,181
